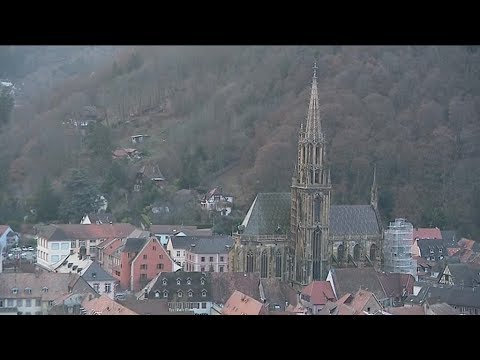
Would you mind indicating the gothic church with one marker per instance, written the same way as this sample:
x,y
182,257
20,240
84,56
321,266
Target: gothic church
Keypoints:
x,y
298,236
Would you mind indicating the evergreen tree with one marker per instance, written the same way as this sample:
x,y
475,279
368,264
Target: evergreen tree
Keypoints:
x,y
81,196
46,202
99,141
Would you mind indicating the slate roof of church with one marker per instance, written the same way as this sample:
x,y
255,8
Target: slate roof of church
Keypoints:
x,y
270,214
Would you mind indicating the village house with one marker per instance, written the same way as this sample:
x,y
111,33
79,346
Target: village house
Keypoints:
x,y
138,138
459,274
126,153
208,253
148,172
56,242
363,302
7,237
109,256
146,306
35,293
104,305
391,289
466,300
241,304
216,200
432,249
191,291
102,282
141,260
98,218
315,295
165,232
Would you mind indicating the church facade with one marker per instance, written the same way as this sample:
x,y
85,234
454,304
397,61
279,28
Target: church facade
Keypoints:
x,y
299,236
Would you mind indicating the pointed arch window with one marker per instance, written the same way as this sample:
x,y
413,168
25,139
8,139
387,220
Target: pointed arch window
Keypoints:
x,y
317,207
373,252
356,252
249,261
264,264
278,264
317,254
340,253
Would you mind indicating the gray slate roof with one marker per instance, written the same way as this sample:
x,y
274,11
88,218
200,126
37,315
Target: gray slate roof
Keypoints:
x,y
436,245
270,211
96,272
101,218
353,220
455,296
449,237
134,245
463,275
211,245
350,280
172,289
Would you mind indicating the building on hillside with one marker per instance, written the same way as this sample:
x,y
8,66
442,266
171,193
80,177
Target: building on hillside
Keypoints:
x,y
208,254
216,200
142,259
432,249
397,245
35,293
149,172
56,242
241,304
190,291
363,302
299,236
98,218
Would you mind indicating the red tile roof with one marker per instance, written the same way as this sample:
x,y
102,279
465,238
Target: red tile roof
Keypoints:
x,y
319,292
427,233
112,246
240,304
103,305
94,231
466,243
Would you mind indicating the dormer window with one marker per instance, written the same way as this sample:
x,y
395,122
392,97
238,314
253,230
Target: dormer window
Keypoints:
x,y
204,293
94,275
190,293
45,289
189,281
157,294
165,293
28,290
14,291
180,293
164,281
202,281
178,281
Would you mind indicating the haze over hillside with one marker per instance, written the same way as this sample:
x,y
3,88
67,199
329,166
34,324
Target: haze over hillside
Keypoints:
x,y
230,115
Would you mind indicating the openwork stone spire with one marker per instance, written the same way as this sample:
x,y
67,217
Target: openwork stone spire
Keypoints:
x,y
313,129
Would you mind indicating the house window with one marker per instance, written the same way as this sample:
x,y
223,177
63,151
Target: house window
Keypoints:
x,y
165,294
157,294
180,293
190,293
204,305
178,281
178,252
221,258
202,259
28,303
55,258
108,287
45,289
1,303
55,246
64,246
211,259
143,267
144,257
154,248
189,281
28,290
143,276
164,281
202,281
73,244
221,269
83,243
96,287
14,291
38,302
159,266
160,256
210,268
10,302
204,293
19,302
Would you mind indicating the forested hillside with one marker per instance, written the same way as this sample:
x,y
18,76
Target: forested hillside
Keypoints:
x,y
230,115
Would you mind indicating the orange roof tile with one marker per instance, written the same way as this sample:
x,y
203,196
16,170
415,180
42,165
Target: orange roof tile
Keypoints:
x,y
103,305
241,304
319,292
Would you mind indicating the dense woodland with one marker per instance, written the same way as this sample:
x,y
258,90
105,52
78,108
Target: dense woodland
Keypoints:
x,y
229,116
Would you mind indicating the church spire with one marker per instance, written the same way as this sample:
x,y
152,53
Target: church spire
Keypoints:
x,y
313,128
374,190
